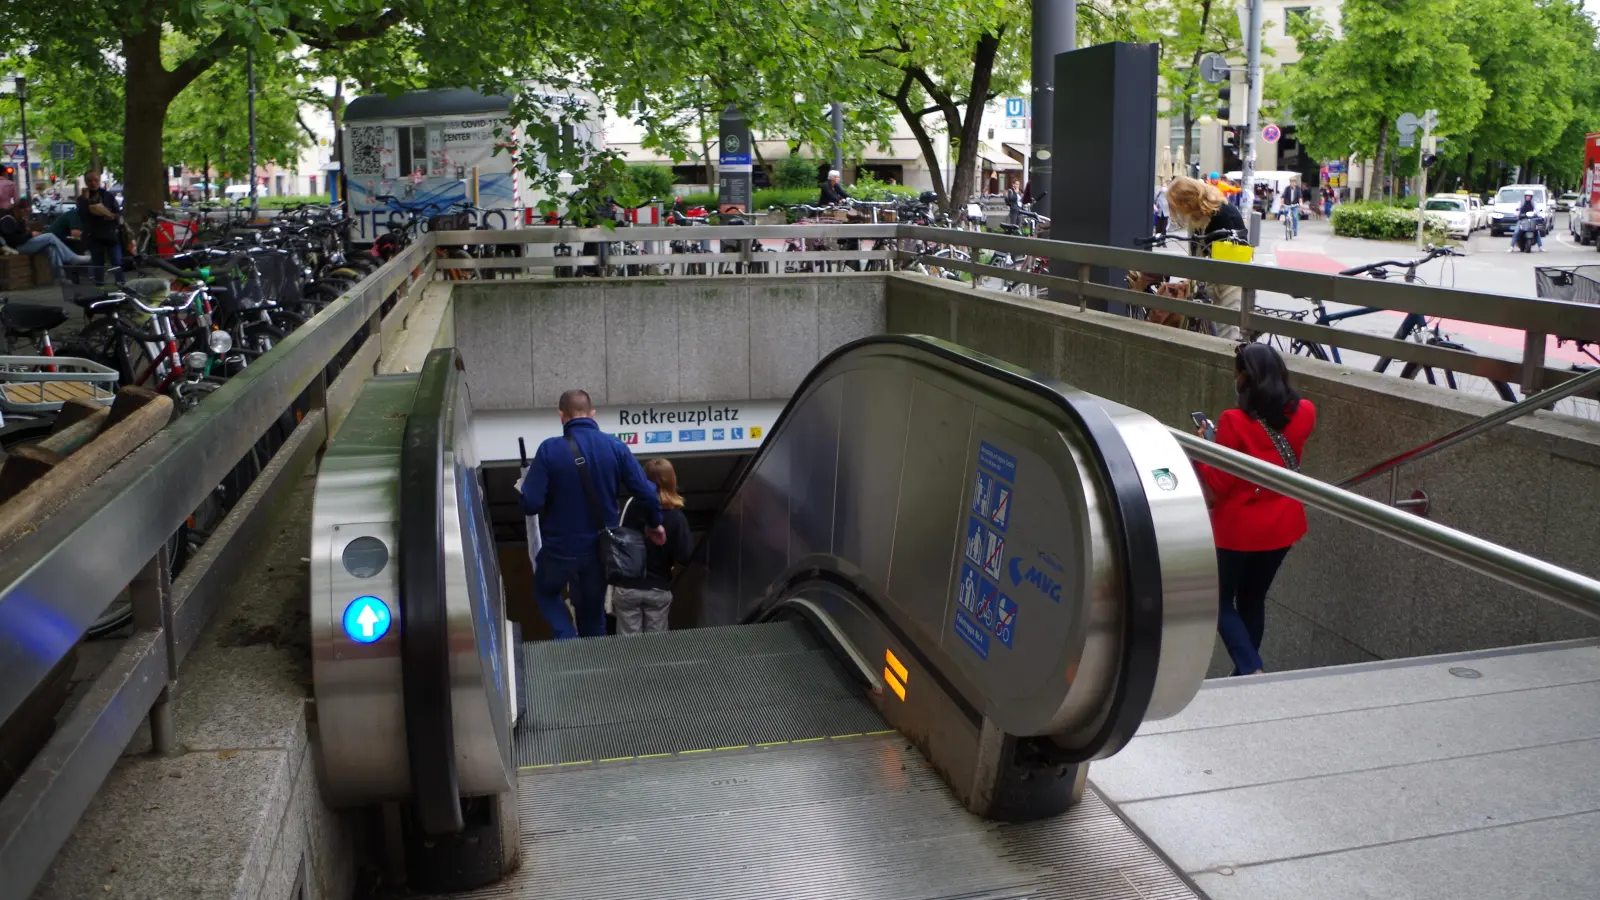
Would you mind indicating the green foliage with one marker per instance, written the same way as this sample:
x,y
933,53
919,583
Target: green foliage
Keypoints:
x,y
207,122
1382,222
280,201
1395,56
652,181
867,187
795,171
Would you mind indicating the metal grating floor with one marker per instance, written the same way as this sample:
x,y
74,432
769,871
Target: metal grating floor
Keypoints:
x,y
687,691
837,819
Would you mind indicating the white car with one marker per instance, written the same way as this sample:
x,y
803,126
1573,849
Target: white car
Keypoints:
x,y
1565,201
1503,215
1456,211
1480,213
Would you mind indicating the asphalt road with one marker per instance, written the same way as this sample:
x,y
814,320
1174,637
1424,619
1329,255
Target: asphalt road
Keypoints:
x,y
1487,267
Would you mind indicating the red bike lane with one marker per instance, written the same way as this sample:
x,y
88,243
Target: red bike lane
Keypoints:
x,y
1508,340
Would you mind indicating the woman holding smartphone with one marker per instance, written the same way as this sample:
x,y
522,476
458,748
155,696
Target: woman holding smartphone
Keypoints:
x,y
1254,528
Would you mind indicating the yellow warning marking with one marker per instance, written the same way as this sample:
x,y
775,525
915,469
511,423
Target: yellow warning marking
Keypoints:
x,y
895,664
894,684
614,759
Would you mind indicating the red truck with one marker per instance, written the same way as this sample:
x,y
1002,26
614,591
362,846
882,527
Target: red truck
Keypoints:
x,y
1584,218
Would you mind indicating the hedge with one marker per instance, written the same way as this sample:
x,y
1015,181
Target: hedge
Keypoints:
x,y
1378,221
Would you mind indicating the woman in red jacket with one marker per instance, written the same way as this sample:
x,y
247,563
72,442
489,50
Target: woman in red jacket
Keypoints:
x,y
1254,527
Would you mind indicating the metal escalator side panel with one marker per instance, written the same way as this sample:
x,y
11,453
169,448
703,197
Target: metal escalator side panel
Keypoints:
x,y
425,621
480,668
879,461
359,702
1187,558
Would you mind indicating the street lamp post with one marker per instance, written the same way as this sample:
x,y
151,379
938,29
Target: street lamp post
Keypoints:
x,y
20,83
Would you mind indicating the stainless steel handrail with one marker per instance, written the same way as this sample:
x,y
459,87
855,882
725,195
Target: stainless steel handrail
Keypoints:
x,y
1542,579
1584,382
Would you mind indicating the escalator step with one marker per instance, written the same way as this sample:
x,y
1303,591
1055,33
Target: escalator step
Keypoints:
x,y
683,691
863,818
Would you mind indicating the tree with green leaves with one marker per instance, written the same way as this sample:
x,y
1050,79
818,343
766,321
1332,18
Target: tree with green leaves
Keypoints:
x,y
1188,30
490,42
207,126
1394,57
1531,54
79,103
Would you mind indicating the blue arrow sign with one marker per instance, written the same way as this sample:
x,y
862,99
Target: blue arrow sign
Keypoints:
x,y
366,619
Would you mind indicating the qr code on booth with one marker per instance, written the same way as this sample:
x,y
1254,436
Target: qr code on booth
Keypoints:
x,y
366,145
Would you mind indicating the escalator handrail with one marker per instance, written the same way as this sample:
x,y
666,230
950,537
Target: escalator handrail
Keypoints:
x,y
424,620
1140,655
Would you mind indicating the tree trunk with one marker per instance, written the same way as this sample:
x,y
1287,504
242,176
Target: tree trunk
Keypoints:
x,y
148,94
1466,172
205,175
966,173
1378,160
930,153
149,89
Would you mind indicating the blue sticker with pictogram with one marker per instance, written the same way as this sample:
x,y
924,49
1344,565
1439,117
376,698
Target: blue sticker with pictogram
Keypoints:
x,y
997,461
987,593
1005,628
967,596
991,499
971,634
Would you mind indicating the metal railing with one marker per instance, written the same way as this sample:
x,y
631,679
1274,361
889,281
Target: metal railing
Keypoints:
x,y
1542,579
57,580
898,246
1588,381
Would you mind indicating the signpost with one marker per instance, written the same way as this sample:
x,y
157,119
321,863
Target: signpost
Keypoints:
x,y
734,171
63,150
1271,133
1429,120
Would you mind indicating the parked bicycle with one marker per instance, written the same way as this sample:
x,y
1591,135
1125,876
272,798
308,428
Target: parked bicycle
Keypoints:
x,y
1415,327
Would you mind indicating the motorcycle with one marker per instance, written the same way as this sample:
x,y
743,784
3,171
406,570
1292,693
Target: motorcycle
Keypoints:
x,y
1527,233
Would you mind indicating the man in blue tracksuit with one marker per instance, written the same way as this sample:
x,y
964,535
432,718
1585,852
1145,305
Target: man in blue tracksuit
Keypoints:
x,y
552,490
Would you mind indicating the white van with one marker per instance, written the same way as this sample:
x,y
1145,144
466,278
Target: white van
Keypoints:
x,y
1503,212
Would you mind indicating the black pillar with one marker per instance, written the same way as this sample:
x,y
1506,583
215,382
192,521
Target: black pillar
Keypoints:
x,y
1104,173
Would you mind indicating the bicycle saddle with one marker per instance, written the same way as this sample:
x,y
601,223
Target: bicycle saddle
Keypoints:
x,y
30,317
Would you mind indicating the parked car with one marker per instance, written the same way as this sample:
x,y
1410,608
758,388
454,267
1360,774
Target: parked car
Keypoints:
x,y
1503,215
1581,233
1456,211
1480,213
1565,201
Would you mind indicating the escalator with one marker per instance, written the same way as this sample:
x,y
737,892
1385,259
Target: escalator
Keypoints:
x,y
942,588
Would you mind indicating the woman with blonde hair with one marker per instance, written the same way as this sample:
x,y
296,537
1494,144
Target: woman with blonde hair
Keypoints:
x,y
1202,209
641,605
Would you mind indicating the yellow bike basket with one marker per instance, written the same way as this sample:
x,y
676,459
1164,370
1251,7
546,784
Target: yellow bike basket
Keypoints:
x,y
1229,251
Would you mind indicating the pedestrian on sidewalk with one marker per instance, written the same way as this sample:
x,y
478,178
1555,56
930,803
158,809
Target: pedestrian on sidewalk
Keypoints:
x,y
1253,527
17,231
1201,208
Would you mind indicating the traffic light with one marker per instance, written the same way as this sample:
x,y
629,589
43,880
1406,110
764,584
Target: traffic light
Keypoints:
x,y
8,171
1224,114
1230,137
1428,159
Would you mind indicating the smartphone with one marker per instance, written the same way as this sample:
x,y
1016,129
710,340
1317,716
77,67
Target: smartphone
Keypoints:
x,y
1201,421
